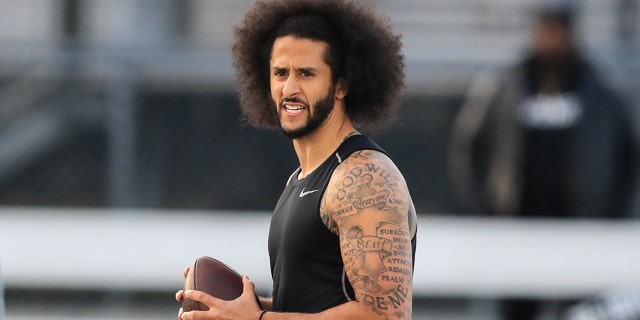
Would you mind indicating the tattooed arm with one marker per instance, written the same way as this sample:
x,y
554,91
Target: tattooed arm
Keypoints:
x,y
367,204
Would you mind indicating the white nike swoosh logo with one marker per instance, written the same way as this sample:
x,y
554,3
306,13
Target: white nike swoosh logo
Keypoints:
x,y
304,193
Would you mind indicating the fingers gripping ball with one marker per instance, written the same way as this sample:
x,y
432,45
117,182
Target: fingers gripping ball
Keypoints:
x,y
214,278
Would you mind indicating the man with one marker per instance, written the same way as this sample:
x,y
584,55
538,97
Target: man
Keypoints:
x,y
343,234
546,138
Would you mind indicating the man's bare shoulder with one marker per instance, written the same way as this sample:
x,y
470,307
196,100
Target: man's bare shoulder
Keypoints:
x,y
366,179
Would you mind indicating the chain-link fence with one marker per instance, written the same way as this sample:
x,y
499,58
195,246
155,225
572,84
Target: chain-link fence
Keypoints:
x,y
194,151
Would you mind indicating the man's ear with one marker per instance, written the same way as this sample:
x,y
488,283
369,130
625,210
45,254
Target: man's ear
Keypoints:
x,y
341,89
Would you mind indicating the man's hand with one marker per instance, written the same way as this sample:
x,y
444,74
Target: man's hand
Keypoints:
x,y
244,307
180,293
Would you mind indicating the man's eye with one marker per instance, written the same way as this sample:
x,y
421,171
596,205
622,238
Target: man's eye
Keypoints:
x,y
279,73
307,74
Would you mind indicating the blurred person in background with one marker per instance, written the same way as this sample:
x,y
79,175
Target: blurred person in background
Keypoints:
x,y
343,234
545,138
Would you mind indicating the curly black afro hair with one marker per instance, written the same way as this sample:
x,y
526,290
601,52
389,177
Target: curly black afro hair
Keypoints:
x,y
370,57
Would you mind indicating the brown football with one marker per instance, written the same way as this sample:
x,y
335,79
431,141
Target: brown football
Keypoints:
x,y
213,277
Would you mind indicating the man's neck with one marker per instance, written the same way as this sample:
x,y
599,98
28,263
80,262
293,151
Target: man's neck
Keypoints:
x,y
313,149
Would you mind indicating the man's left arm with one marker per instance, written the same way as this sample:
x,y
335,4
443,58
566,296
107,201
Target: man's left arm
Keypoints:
x,y
369,204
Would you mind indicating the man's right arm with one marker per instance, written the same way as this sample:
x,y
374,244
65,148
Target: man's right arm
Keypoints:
x,y
267,303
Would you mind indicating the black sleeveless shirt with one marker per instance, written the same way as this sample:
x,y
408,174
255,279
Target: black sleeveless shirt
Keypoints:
x,y
306,263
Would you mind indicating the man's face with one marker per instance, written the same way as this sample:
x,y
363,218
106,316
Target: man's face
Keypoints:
x,y
552,40
301,85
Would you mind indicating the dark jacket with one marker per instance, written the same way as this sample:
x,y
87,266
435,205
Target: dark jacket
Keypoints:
x,y
486,154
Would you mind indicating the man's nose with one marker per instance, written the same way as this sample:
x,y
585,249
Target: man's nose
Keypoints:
x,y
291,87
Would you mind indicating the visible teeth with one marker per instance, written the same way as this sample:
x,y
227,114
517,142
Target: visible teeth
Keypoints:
x,y
293,108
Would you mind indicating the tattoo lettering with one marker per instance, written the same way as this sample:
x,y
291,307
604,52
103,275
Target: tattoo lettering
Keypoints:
x,y
358,188
361,194
384,174
394,299
365,255
369,205
369,255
